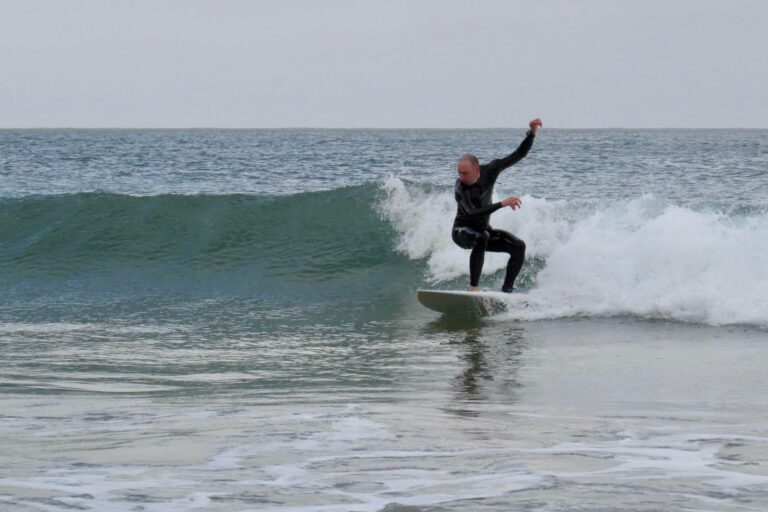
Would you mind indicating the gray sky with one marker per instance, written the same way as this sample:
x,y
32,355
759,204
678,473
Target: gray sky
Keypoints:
x,y
441,63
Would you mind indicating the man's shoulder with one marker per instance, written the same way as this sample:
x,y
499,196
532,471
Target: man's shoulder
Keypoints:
x,y
487,176
488,167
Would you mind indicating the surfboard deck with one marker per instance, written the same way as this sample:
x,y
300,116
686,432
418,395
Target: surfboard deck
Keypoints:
x,y
462,303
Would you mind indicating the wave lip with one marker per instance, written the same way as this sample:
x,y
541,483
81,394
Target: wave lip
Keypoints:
x,y
642,257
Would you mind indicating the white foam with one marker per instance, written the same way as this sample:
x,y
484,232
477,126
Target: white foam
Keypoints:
x,y
354,429
424,223
640,257
358,461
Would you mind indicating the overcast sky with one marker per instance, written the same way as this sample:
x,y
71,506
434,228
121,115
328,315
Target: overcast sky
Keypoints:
x,y
387,63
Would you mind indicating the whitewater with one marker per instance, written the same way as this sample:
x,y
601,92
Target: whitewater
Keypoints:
x,y
641,256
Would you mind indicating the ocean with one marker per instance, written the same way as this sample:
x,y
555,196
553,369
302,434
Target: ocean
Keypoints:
x,y
226,320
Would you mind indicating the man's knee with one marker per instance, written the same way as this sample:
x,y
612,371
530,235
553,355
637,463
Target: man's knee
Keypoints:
x,y
512,244
516,248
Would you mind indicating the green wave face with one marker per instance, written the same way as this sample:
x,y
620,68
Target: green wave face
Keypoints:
x,y
202,245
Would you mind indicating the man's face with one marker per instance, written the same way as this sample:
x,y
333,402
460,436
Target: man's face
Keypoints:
x,y
468,172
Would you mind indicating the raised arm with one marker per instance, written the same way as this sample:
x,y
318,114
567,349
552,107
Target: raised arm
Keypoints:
x,y
494,167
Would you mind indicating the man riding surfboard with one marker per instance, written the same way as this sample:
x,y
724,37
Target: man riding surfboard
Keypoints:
x,y
471,228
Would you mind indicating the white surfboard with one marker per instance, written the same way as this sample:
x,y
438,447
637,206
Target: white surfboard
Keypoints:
x,y
463,303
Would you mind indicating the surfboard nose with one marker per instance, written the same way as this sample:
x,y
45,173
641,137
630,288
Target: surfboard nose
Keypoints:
x,y
461,303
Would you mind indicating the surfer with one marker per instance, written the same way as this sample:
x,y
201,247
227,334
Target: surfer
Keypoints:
x,y
471,228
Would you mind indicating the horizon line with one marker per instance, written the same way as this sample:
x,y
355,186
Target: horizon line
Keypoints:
x,y
369,128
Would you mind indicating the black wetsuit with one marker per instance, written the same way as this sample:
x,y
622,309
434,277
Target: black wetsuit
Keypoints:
x,y
471,229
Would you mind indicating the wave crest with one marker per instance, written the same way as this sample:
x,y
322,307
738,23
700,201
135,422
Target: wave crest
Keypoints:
x,y
640,257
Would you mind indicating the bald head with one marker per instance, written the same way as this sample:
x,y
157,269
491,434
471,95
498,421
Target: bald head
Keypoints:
x,y
470,158
468,168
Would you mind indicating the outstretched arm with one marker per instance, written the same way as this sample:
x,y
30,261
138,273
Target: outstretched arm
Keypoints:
x,y
512,201
496,166
471,211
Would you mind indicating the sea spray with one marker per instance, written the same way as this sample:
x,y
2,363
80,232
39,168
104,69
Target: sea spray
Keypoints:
x,y
640,256
677,263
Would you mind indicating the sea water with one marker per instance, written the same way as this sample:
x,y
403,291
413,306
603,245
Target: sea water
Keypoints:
x,y
226,320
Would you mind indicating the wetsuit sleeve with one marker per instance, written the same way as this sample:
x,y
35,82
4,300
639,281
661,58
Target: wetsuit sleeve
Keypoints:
x,y
471,211
494,167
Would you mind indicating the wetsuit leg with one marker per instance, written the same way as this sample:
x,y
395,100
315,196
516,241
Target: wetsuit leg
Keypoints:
x,y
501,241
477,240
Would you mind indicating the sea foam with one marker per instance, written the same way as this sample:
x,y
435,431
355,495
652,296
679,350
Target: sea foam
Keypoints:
x,y
641,256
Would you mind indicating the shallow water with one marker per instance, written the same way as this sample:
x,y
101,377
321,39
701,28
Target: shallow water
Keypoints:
x,y
554,415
